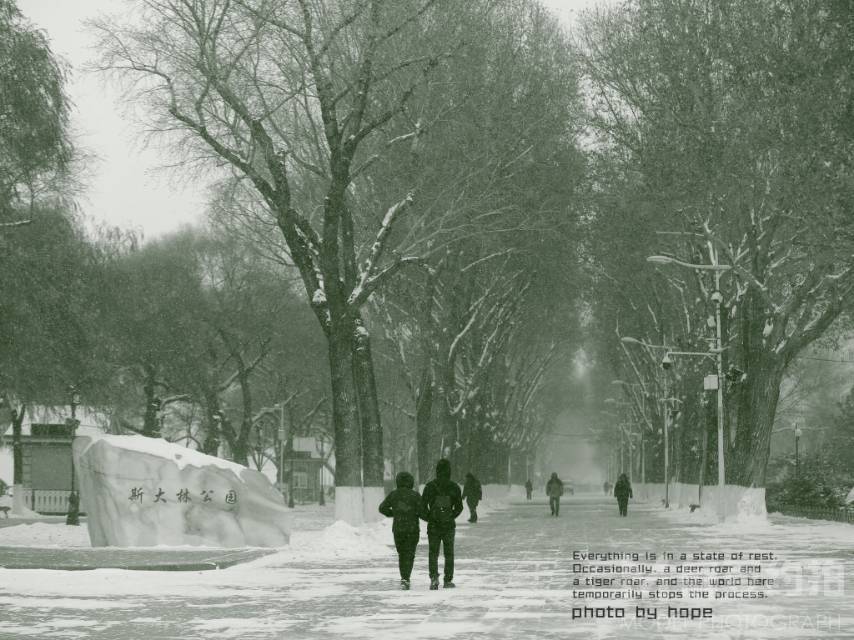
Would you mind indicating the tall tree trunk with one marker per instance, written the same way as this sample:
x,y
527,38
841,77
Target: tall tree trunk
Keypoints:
x,y
373,460
210,445
423,426
150,427
240,444
345,423
373,457
17,452
758,399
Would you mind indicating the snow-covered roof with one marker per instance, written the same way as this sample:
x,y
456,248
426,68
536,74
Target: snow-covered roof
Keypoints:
x,y
92,420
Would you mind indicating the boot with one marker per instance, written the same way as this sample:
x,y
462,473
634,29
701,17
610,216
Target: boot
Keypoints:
x,y
404,584
449,584
434,584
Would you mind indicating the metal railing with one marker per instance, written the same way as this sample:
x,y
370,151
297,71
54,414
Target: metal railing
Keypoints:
x,y
837,514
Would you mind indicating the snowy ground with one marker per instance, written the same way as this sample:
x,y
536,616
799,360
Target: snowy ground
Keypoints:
x,y
514,578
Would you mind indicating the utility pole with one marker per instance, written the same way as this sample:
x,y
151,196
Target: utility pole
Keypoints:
x,y
322,500
666,445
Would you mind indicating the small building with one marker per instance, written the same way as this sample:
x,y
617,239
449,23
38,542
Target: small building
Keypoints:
x,y
309,470
46,463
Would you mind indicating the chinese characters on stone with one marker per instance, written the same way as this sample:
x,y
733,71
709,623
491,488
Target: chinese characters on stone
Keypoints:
x,y
182,496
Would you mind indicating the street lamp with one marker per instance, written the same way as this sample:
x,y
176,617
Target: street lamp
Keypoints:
x,y
73,517
717,299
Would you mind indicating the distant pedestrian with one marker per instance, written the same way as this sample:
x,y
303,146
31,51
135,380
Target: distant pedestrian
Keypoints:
x,y
554,490
404,505
529,488
607,488
623,491
472,494
441,503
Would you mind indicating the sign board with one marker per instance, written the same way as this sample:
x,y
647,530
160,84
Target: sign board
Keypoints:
x,y
710,383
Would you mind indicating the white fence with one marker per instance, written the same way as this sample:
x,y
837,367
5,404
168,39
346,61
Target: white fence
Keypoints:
x,y
43,501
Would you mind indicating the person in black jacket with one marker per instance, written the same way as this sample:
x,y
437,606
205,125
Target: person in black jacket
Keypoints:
x,y
554,490
441,503
472,494
404,505
529,489
623,491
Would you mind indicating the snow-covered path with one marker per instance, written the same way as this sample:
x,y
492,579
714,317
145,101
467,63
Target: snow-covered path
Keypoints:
x,y
514,578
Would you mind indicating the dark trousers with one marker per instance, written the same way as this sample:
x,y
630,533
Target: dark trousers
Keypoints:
x,y
472,509
623,503
528,494
444,537
405,543
554,505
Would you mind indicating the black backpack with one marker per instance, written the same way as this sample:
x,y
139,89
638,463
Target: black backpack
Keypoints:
x,y
443,509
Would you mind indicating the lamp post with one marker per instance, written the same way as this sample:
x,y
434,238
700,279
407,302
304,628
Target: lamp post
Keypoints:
x,y
798,434
73,517
717,298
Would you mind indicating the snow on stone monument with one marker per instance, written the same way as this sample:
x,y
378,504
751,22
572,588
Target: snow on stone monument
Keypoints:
x,y
141,492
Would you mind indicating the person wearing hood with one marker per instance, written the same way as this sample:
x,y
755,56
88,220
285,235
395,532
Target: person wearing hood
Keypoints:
x,y
404,505
554,490
623,491
441,503
472,494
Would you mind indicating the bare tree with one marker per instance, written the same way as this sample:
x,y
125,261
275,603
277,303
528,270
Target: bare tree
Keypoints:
x,y
275,92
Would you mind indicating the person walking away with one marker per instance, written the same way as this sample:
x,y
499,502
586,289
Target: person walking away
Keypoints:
x,y
404,505
529,488
554,490
441,503
607,487
472,494
623,491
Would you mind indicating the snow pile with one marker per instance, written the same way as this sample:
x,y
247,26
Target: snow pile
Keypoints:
x,y
140,492
17,508
738,503
44,534
342,540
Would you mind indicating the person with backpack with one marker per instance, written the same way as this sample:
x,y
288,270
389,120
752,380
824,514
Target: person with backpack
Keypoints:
x,y
554,490
529,489
404,505
623,491
441,503
472,494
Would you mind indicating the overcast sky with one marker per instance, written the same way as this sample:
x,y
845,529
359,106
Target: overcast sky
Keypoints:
x,y
124,186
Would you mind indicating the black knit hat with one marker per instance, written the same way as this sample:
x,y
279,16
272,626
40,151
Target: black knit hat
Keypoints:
x,y
404,480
